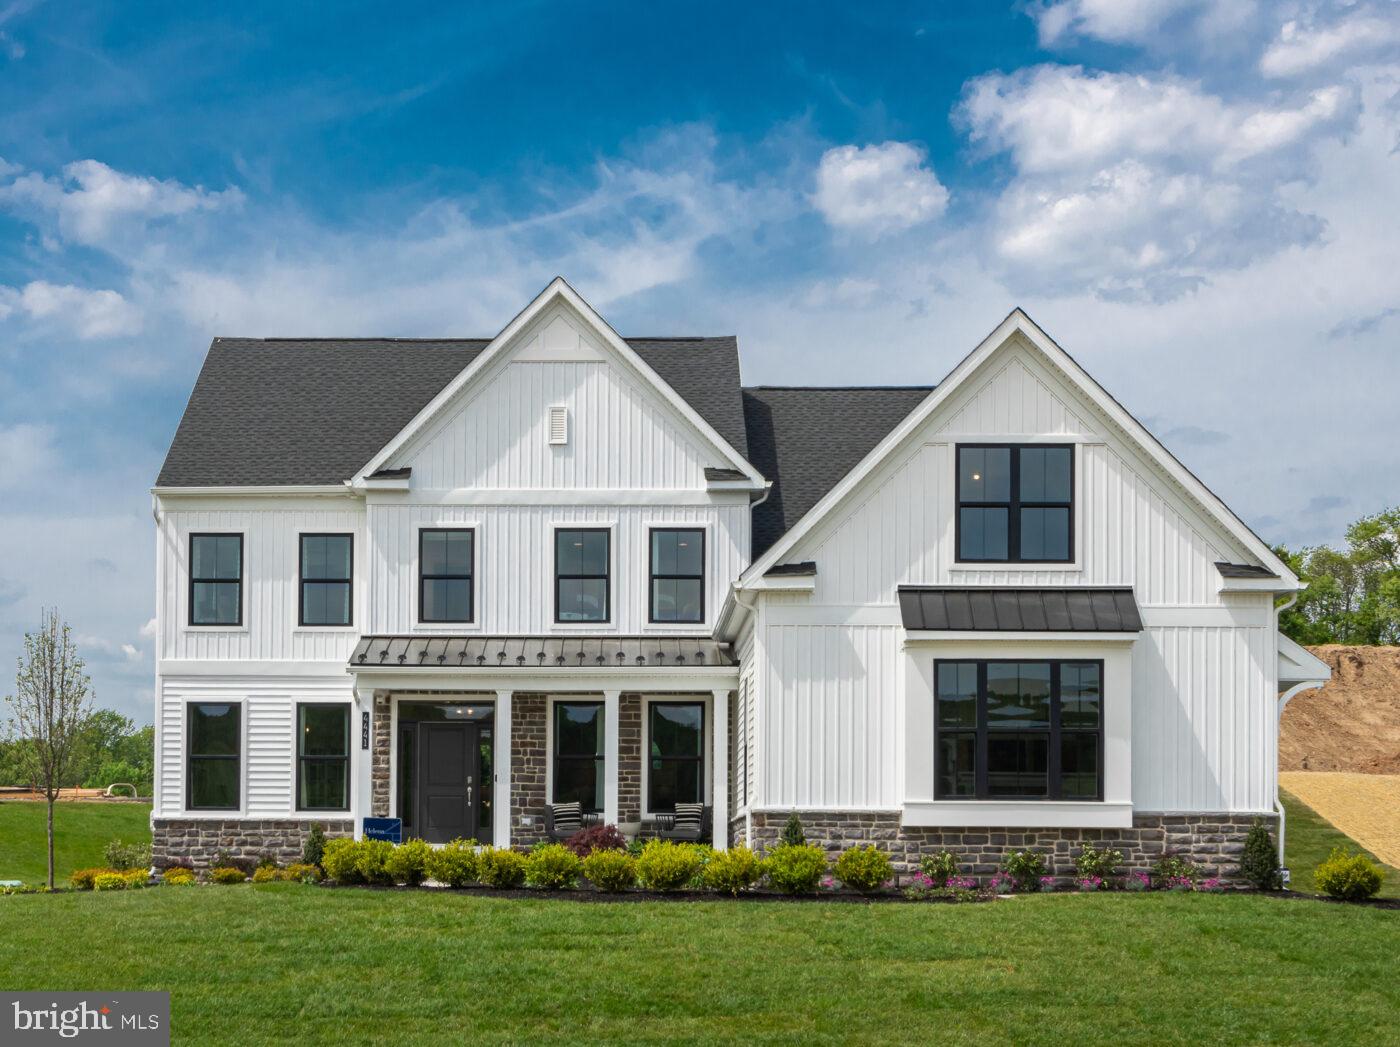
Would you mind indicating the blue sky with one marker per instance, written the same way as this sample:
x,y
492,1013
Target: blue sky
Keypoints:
x,y
1195,198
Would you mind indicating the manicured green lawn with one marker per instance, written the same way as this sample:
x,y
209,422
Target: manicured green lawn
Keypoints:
x,y
1309,838
82,831
277,962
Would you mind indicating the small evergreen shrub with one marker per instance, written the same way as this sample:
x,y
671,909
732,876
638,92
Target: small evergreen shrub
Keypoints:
x,y
109,881
226,874
408,862
1259,862
500,867
1350,877
340,860
177,876
940,867
635,846
792,835
267,874
301,872
123,856
1098,863
668,866
732,871
82,879
796,869
314,846
610,870
1170,870
372,861
553,868
1025,869
226,860
454,863
864,869
596,838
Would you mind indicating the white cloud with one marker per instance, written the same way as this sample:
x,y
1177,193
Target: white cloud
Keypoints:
x,y
878,189
26,452
149,629
1140,22
86,312
91,202
1303,47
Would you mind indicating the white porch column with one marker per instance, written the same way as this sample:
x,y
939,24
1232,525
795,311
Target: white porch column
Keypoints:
x,y
719,769
612,707
500,798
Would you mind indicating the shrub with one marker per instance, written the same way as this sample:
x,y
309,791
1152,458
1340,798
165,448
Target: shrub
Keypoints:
x,y
408,862
1259,863
1137,881
792,835
596,838
372,861
635,846
732,871
940,867
301,872
227,874
123,856
796,869
340,859
1098,862
137,877
957,888
1351,877
500,867
667,866
177,876
109,881
82,879
454,863
266,874
314,846
611,871
1025,869
864,869
225,860
553,868
1172,868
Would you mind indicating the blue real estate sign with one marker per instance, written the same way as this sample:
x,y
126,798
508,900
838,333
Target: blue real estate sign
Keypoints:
x,y
390,829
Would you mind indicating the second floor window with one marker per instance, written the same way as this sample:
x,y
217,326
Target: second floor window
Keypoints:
x,y
326,568
216,579
445,559
581,582
1015,504
678,575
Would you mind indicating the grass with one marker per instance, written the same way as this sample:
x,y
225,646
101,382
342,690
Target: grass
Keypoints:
x,y
1309,838
280,962
81,833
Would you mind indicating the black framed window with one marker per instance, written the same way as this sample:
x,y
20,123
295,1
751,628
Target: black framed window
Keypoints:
x,y
1015,503
216,579
582,587
676,754
678,575
579,754
323,757
445,560
327,567
212,764
1028,730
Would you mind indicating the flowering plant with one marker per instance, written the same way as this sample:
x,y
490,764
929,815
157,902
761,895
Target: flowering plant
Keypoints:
x,y
1002,883
1179,883
1047,883
1137,881
1090,883
1213,885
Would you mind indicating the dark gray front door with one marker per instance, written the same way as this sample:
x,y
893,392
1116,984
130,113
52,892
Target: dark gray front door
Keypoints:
x,y
447,781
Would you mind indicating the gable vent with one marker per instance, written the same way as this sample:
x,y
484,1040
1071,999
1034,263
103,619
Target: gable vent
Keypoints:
x,y
558,425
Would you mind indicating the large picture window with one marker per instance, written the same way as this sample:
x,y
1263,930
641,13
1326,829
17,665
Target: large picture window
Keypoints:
x,y
216,579
1019,730
678,575
579,754
215,742
676,758
323,757
581,567
445,558
326,568
1015,503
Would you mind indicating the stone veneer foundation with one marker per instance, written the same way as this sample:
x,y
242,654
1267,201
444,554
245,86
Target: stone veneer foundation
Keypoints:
x,y
1213,842
195,841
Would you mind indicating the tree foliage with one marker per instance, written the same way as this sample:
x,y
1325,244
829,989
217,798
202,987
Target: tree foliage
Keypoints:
x,y
1353,594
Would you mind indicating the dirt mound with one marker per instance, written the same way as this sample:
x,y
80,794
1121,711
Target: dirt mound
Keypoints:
x,y
1353,723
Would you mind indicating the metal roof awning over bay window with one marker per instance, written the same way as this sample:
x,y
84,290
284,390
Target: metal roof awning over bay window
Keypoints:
x,y
995,610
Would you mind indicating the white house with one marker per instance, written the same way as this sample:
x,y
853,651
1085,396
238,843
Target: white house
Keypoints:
x,y
445,585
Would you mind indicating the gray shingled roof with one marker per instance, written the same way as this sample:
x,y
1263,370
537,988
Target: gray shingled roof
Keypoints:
x,y
963,609
534,652
284,411
806,439
1243,570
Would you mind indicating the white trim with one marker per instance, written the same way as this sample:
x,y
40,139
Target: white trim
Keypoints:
x,y
702,697
502,792
1029,814
801,583
554,497
255,491
1303,665
558,290
612,753
1017,322
924,636
719,770
238,668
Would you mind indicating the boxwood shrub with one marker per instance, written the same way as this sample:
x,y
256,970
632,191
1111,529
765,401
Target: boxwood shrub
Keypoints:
x,y
227,874
500,867
668,866
864,869
372,861
732,871
1351,877
454,864
553,867
796,869
610,870
340,860
109,881
408,862
82,879
177,876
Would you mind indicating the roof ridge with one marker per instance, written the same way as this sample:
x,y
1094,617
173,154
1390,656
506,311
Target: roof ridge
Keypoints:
x,y
452,338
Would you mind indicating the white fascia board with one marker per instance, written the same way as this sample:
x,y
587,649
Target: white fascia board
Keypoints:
x,y
1296,664
1017,322
1015,637
1256,585
787,582
253,491
397,484
558,290
734,485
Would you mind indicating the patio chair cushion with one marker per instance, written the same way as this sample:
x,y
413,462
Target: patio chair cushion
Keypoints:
x,y
688,817
568,818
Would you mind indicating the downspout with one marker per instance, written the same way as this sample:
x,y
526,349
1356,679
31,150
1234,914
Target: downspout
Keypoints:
x,y
1283,699
752,609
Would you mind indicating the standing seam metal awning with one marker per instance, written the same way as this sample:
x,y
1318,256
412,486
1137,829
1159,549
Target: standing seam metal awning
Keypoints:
x,y
1021,609
540,652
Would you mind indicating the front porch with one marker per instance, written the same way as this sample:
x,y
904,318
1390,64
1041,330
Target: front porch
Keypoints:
x,y
477,737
